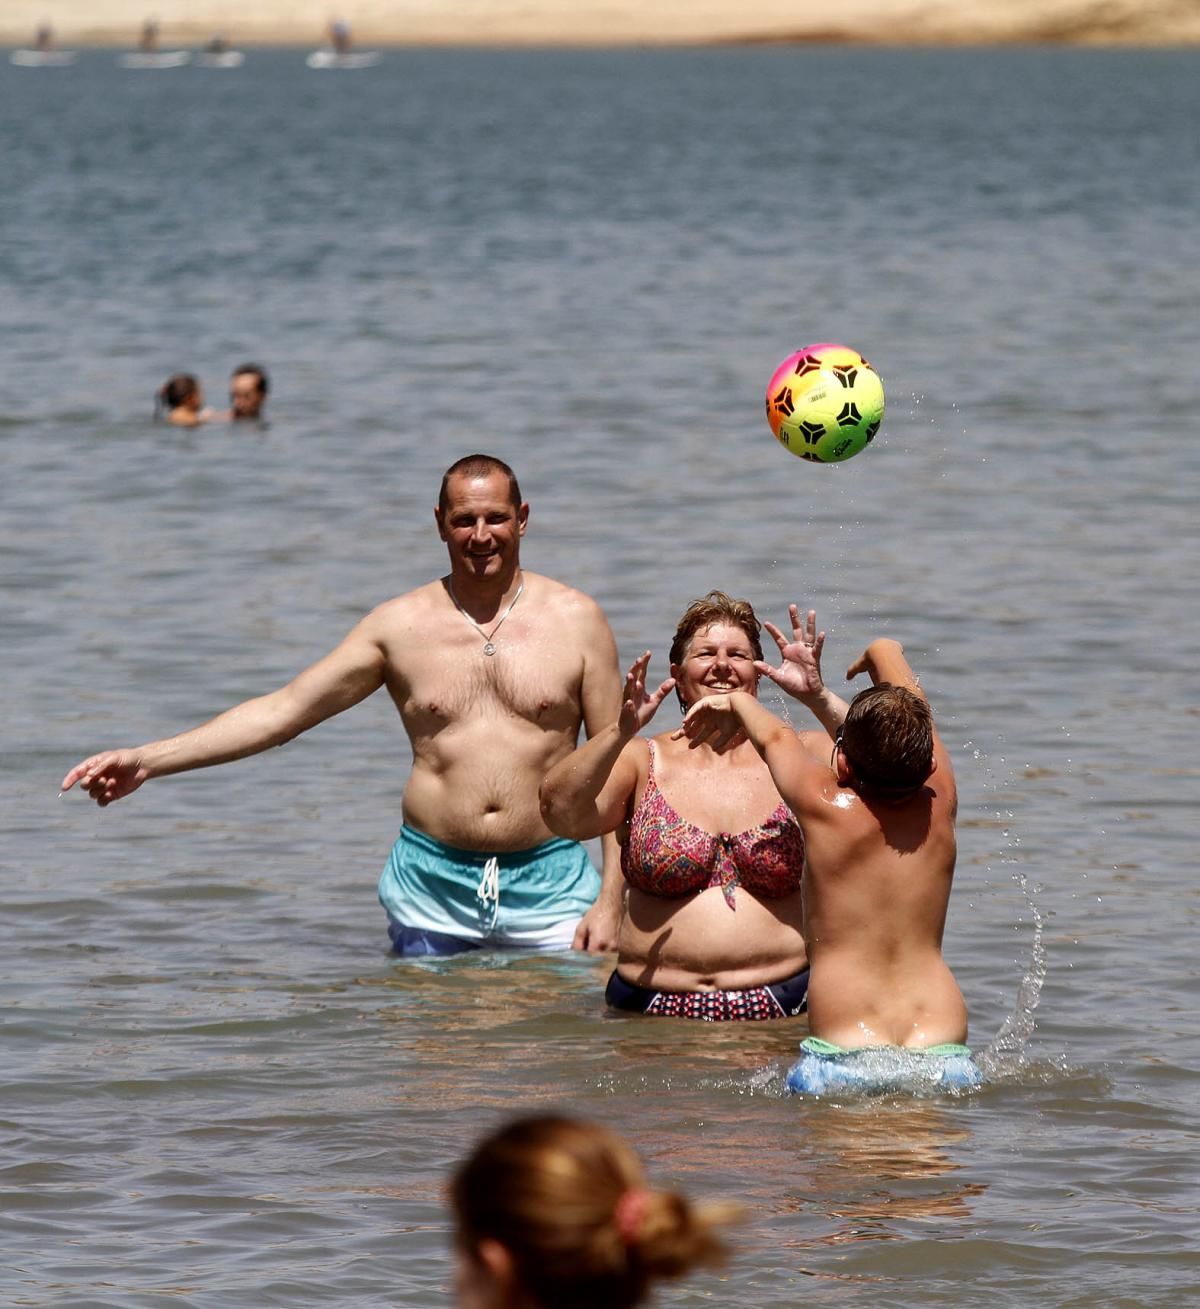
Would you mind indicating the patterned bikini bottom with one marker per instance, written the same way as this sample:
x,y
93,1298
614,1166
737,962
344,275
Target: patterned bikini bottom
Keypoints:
x,y
783,999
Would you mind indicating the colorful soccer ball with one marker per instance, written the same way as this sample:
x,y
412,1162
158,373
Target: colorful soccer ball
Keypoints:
x,y
825,403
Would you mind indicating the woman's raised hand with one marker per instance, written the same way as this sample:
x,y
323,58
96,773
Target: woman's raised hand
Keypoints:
x,y
638,706
799,672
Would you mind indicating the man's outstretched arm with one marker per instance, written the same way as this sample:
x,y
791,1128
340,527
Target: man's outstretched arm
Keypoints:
x,y
341,679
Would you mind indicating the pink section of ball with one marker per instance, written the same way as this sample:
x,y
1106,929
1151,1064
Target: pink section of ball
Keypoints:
x,y
826,351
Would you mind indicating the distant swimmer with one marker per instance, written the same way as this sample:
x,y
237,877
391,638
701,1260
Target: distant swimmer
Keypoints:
x,y
181,402
493,670
248,389
878,824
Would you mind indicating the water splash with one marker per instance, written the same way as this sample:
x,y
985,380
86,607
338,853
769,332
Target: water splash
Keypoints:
x,y
1005,1054
884,1070
775,700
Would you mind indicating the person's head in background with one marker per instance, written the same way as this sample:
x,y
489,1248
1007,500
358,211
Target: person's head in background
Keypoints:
x,y
248,389
555,1213
180,400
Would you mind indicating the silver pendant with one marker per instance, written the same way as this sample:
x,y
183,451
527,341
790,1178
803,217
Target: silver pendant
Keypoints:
x,y
489,649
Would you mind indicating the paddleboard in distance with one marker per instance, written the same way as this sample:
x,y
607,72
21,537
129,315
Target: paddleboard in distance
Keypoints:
x,y
154,58
354,59
220,59
42,58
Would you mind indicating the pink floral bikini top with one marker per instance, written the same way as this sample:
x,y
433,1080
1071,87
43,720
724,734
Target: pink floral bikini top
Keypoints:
x,y
666,855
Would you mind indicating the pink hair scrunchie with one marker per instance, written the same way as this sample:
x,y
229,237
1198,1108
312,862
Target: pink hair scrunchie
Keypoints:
x,y
630,1213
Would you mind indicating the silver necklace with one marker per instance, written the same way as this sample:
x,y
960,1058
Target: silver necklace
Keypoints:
x,y
489,646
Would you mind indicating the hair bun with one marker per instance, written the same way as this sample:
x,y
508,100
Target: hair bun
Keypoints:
x,y
630,1212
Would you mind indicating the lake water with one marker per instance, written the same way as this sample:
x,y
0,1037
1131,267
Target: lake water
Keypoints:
x,y
218,1087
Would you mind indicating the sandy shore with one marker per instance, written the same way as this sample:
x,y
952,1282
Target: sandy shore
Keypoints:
x,y
609,22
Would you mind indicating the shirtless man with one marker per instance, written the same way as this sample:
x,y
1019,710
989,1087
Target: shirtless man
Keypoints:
x,y
493,670
878,824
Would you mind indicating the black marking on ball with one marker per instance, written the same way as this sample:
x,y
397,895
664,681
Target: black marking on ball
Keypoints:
x,y
806,364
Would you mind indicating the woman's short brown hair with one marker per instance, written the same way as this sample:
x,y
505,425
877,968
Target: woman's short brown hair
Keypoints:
x,y
716,607
700,615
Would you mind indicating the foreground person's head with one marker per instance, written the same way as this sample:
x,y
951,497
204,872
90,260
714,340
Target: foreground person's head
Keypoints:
x,y
553,1212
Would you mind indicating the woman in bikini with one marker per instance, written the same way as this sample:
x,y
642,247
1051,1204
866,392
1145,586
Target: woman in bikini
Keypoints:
x,y
712,857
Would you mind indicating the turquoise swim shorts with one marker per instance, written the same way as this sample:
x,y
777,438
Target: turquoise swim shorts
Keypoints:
x,y
529,898
825,1067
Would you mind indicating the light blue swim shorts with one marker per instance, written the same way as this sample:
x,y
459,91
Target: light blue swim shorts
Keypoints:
x,y
440,899
825,1067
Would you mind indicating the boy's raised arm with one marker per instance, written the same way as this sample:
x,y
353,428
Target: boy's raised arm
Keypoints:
x,y
719,720
884,661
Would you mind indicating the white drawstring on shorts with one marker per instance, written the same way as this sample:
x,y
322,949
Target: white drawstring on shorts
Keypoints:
x,y
489,888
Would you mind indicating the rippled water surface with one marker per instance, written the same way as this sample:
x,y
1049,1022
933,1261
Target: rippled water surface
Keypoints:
x,y
218,1088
